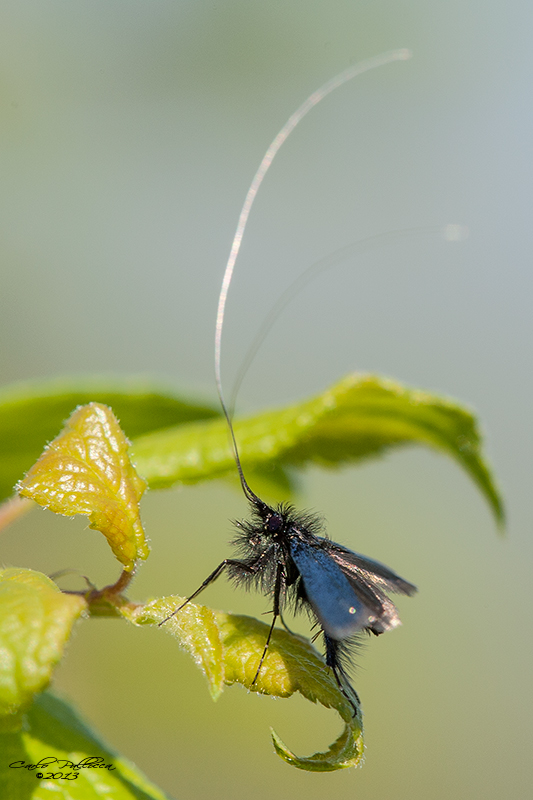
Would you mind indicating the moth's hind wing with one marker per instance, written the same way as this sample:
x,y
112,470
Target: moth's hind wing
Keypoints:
x,y
355,565
371,581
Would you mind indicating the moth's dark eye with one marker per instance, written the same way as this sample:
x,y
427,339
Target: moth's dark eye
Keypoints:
x,y
274,523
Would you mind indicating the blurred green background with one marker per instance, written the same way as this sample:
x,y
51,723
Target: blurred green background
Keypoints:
x,y
130,132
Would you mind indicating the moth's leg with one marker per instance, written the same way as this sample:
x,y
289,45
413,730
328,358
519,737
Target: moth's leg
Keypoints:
x,y
285,624
282,598
332,661
228,562
276,612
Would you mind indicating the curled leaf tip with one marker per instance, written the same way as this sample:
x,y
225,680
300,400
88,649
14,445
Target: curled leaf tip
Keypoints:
x,y
291,665
228,649
347,751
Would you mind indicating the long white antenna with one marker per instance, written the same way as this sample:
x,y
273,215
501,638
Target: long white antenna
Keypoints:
x,y
292,122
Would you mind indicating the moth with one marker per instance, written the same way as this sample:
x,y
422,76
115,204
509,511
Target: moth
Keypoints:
x,y
284,553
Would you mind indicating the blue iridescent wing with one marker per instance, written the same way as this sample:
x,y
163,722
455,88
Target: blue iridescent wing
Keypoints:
x,y
339,609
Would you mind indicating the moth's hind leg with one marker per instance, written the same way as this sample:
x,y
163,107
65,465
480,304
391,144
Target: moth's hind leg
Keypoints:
x,y
285,624
333,661
276,611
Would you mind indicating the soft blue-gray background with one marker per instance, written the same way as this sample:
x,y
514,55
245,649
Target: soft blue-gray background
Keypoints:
x,y
130,132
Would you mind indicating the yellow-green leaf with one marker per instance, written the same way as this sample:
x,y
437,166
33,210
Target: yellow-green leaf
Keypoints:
x,y
87,470
228,648
361,416
35,622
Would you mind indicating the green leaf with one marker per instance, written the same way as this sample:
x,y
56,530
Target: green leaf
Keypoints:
x,y
228,648
32,414
52,730
35,622
359,417
87,470
176,441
